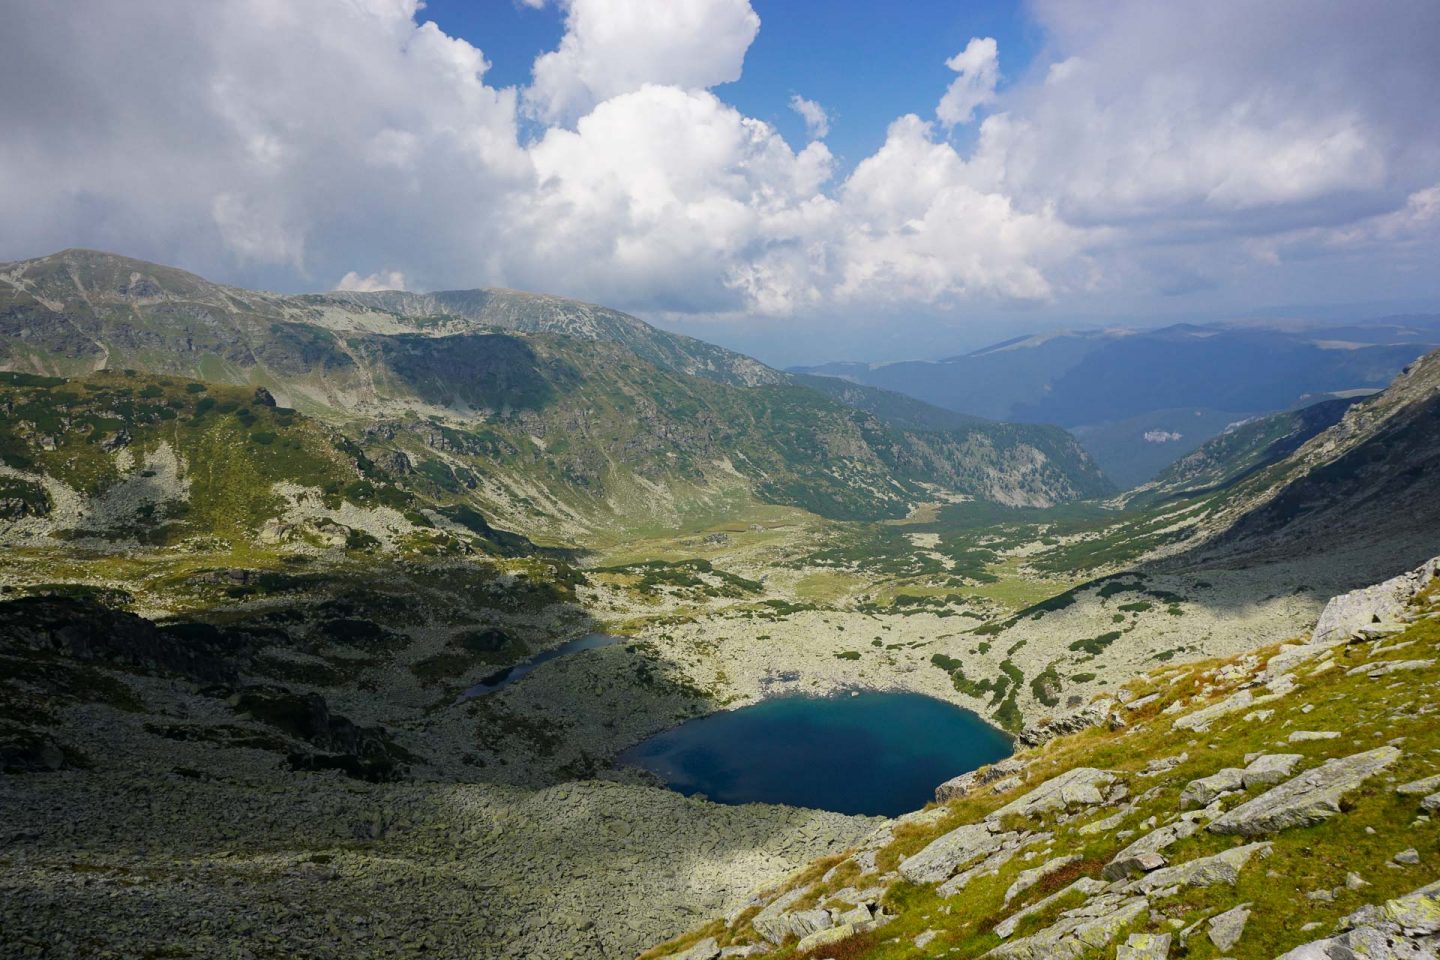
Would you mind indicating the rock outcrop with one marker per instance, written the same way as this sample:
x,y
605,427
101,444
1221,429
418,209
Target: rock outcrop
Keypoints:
x,y
1307,799
1381,604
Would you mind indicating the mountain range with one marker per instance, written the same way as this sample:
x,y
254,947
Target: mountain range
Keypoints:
x,y
556,416
1140,399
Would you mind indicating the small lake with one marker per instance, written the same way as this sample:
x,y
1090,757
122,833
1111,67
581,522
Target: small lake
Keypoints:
x,y
875,753
501,679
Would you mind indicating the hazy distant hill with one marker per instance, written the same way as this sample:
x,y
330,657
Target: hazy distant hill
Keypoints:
x,y
1138,400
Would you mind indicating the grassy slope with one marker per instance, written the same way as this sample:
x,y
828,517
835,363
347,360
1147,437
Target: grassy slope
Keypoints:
x,y
1377,822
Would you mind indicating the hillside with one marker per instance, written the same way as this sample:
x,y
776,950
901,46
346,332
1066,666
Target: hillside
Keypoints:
x,y
1241,450
555,431
1276,803
1140,399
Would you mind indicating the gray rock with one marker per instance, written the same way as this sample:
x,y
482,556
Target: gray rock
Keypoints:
x,y
1077,932
1382,603
1201,719
1144,946
1408,857
1129,862
1406,928
1270,769
1199,792
1085,885
825,937
1418,787
774,921
1223,867
968,783
1377,670
1227,928
1090,715
951,851
706,949
1081,786
1028,878
1306,736
1307,799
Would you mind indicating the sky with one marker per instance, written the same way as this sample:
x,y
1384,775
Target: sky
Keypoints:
x,y
803,180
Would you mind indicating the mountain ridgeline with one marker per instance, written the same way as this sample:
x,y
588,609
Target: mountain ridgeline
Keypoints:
x,y
1140,399
554,416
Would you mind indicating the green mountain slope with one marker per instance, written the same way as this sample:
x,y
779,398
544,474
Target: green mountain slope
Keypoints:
x,y
1241,450
550,433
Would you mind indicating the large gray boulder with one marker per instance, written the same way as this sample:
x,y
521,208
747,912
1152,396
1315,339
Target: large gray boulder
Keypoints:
x,y
1307,799
1383,603
1223,867
1079,787
951,851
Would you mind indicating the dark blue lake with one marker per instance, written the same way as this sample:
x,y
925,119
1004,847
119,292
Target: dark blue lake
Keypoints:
x,y
876,753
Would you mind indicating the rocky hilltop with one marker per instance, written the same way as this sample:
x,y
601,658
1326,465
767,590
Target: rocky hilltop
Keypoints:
x,y
1276,804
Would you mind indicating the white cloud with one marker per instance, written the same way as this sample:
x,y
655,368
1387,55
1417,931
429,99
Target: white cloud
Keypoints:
x,y
612,47
1166,148
381,280
817,121
978,66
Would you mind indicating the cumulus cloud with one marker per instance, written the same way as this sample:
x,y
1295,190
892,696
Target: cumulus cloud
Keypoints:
x,y
1157,147
817,121
978,66
381,280
612,47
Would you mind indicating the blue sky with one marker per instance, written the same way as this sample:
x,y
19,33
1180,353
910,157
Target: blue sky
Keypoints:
x,y
865,62
990,168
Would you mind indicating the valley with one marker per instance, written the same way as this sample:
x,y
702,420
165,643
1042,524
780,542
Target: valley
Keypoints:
x,y
264,589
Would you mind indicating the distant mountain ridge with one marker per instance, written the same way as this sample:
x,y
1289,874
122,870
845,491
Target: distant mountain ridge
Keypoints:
x,y
1185,381
562,415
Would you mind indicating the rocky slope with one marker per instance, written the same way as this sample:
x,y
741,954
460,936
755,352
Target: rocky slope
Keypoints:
x,y
1278,803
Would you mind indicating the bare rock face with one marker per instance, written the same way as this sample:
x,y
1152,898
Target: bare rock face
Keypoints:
x,y
1307,799
1380,604
968,783
1090,715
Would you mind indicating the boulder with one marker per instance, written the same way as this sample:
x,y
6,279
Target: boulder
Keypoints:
x,y
1307,799
1144,946
1076,933
1129,862
1419,787
1379,604
1200,720
1269,769
1085,886
1223,867
1199,792
951,851
1227,928
1028,878
706,949
1079,787
823,938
